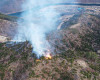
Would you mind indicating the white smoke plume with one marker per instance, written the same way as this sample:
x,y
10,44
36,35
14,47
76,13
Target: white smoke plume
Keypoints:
x,y
38,22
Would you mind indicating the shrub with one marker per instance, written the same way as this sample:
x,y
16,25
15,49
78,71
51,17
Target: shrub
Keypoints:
x,y
2,76
86,74
32,73
12,59
6,17
66,76
91,55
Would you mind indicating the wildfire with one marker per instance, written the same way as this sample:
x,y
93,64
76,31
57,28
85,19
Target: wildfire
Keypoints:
x,y
48,56
38,60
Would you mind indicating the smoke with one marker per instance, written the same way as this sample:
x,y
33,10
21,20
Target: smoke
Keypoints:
x,y
38,22
3,2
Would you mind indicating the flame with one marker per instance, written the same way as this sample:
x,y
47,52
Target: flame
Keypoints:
x,y
48,56
38,60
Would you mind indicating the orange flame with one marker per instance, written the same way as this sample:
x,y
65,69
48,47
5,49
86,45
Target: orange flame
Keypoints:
x,y
38,60
48,56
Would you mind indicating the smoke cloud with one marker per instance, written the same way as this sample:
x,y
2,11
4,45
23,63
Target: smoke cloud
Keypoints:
x,y
38,22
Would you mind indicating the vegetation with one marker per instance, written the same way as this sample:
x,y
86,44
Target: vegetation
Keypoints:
x,y
18,60
86,74
71,21
66,76
2,71
32,73
6,17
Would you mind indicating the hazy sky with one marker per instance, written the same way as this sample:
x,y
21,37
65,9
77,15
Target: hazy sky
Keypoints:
x,y
4,2
12,6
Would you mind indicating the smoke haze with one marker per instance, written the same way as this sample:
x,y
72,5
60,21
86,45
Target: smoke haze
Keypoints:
x,y
37,23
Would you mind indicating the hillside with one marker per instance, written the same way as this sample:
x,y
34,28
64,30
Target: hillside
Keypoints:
x,y
13,6
77,52
7,27
10,6
88,1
